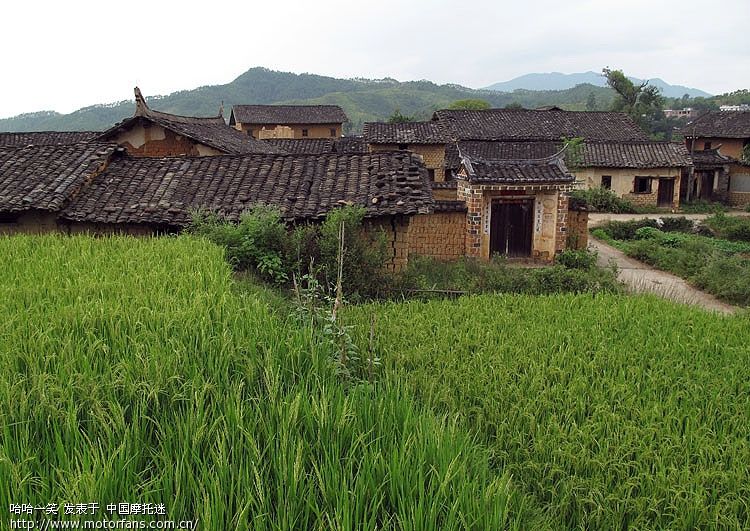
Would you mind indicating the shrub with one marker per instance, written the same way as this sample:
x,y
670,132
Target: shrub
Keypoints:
x,y
261,243
364,257
602,200
576,259
727,277
256,243
729,227
681,224
625,230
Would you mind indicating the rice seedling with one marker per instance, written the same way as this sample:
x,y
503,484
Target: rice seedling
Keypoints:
x,y
613,412
134,371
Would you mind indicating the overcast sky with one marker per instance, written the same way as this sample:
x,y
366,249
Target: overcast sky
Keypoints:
x,y
63,55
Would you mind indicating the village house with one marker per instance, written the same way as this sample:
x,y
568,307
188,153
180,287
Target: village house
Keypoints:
x,y
719,143
288,121
150,133
99,188
426,139
37,181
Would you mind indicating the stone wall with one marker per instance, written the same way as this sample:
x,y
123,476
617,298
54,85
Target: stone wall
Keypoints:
x,y
439,235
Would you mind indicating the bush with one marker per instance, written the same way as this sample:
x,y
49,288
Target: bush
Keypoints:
x,y
262,244
727,277
730,227
256,243
625,230
576,259
364,257
602,200
681,224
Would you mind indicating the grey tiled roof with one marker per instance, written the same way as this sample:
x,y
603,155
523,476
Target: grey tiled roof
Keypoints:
x,y
303,146
405,133
637,154
166,191
46,177
550,170
720,124
45,138
287,114
525,124
351,144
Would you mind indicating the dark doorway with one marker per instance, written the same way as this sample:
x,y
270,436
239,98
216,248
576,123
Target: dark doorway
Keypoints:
x,y
706,184
665,195
510,228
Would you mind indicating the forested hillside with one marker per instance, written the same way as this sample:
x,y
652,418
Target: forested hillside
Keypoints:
x,y
362,99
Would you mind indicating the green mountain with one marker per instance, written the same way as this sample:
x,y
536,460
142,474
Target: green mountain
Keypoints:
x,y
362,99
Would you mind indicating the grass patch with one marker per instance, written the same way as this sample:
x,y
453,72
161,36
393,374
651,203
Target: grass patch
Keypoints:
x,y
133,370
575,272
613,412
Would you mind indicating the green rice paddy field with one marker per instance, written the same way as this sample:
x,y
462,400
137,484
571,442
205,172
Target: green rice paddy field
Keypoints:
x,y
135,370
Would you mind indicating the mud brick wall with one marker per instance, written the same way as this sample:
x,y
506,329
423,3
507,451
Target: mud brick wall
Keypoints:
x,y
396,231
439,235
644,199
578,229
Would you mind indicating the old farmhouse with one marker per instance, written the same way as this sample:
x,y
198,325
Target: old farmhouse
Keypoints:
x,y
466,183
288,121
719,144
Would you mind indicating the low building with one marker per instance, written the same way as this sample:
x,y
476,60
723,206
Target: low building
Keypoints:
x,y
288,121
37,181
150,133
647,173
719,141
426,139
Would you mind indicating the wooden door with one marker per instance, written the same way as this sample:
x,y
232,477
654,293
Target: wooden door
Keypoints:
x,y
665,194
707,185
511,228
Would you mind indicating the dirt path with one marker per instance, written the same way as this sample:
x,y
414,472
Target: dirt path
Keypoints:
x,y
642,278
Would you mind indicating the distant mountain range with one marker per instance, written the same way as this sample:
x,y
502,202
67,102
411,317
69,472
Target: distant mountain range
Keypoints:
x,y
560,81
362,99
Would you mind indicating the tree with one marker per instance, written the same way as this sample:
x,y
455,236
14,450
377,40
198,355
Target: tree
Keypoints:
x,y
591,102
470,105
398,118
643,102
514,105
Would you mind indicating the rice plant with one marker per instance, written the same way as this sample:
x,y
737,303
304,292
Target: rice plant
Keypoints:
x,y
132,370
613,412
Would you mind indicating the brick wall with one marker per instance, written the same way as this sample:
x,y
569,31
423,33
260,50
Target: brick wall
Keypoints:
x,y
444,194
643,199
396,231
578,229
739,199
561,227
439,235
34,222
